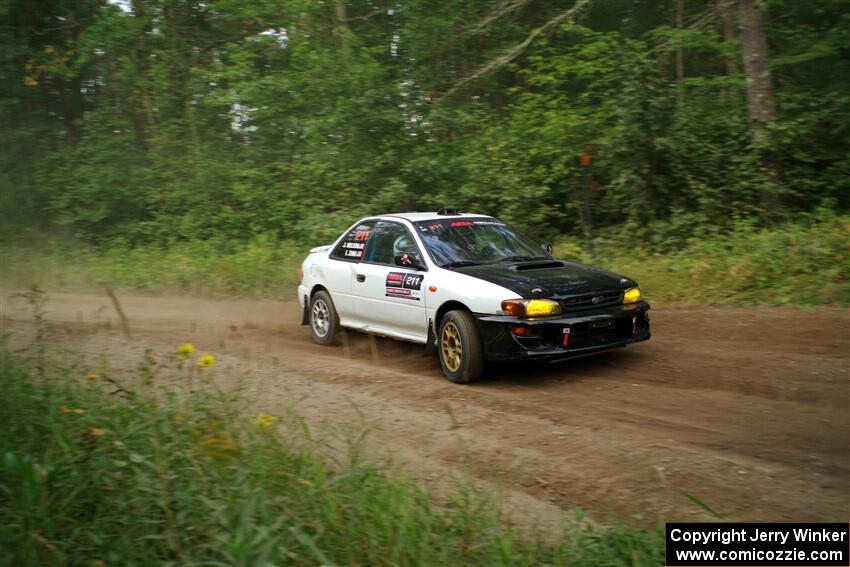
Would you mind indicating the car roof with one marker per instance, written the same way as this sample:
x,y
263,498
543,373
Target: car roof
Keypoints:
x,y
418,217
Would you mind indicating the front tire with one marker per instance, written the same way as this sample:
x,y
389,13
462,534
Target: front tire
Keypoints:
x,y
324,321
459,347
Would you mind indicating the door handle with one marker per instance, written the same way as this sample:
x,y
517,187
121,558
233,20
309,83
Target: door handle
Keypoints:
x,y
361,278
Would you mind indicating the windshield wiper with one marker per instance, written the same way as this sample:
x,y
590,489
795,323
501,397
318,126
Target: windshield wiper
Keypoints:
x,y
459,263
522,258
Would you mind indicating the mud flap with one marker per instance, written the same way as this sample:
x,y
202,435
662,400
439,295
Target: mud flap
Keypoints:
x,y
430,340
305,314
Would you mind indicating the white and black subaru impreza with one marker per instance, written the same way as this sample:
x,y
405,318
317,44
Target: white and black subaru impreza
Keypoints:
x,y
468,286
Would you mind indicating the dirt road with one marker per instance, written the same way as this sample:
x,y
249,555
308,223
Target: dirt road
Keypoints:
x,y
746,409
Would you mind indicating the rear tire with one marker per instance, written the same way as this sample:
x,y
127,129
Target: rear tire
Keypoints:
x,y
459,347
324,321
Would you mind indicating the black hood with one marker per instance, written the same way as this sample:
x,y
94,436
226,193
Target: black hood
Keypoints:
x,y
555,279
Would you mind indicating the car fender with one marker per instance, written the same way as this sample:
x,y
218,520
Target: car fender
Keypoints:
x,y
311,276
477,295
312,265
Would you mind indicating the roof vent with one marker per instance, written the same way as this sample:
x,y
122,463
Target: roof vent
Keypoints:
x,y
449,211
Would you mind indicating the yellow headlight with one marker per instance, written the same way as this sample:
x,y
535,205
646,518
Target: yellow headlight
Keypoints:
x,y
530,307
632,295
542,307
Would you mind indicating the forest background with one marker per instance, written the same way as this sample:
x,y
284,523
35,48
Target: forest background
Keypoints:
x,y
192,146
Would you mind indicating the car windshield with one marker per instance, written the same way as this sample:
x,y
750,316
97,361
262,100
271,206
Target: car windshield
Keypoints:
x,y
470,241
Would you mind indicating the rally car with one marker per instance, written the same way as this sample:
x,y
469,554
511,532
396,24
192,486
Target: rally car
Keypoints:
x,y
468,286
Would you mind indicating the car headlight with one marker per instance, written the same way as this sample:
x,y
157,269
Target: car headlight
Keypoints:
x,y
530,307
631,295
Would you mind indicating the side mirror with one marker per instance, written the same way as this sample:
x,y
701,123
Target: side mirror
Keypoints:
x,y
409,260
547,248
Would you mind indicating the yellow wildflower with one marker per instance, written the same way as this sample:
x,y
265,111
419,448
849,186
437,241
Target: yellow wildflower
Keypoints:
x,y
66,409
96,432
185,351
206,361
264,420
91,376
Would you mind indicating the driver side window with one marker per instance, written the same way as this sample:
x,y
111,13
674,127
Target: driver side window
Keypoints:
x,y
388,240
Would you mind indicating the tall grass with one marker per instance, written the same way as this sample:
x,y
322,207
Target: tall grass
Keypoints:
x,y
802,263
92,473
805,262
215,268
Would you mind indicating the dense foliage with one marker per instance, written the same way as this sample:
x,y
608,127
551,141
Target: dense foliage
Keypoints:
x,y
149,122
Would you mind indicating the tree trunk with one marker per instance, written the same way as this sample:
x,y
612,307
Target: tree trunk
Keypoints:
x,y
760,103
680,52
141,105
762,108
343,28
341,13
727,22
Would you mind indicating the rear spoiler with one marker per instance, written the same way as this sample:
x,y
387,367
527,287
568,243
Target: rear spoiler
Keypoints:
x,y
320,248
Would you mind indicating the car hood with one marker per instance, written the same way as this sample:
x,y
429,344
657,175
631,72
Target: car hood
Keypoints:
x,y
554,279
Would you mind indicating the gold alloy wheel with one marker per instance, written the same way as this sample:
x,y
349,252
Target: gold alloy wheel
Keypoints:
x,y
451,347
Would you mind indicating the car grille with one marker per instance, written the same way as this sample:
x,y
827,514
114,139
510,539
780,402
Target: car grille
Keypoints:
x,y
590,301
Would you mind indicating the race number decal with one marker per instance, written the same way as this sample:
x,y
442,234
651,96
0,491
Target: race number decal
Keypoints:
x,y
404,286
355,242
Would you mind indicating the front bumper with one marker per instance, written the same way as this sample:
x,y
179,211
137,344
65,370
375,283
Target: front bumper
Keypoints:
x,y
564,336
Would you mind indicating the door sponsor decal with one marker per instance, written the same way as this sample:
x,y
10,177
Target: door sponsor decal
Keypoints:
x,y
404,286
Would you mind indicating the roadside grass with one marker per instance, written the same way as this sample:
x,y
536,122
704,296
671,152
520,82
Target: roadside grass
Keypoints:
x,y
261,268
95,471
806,262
